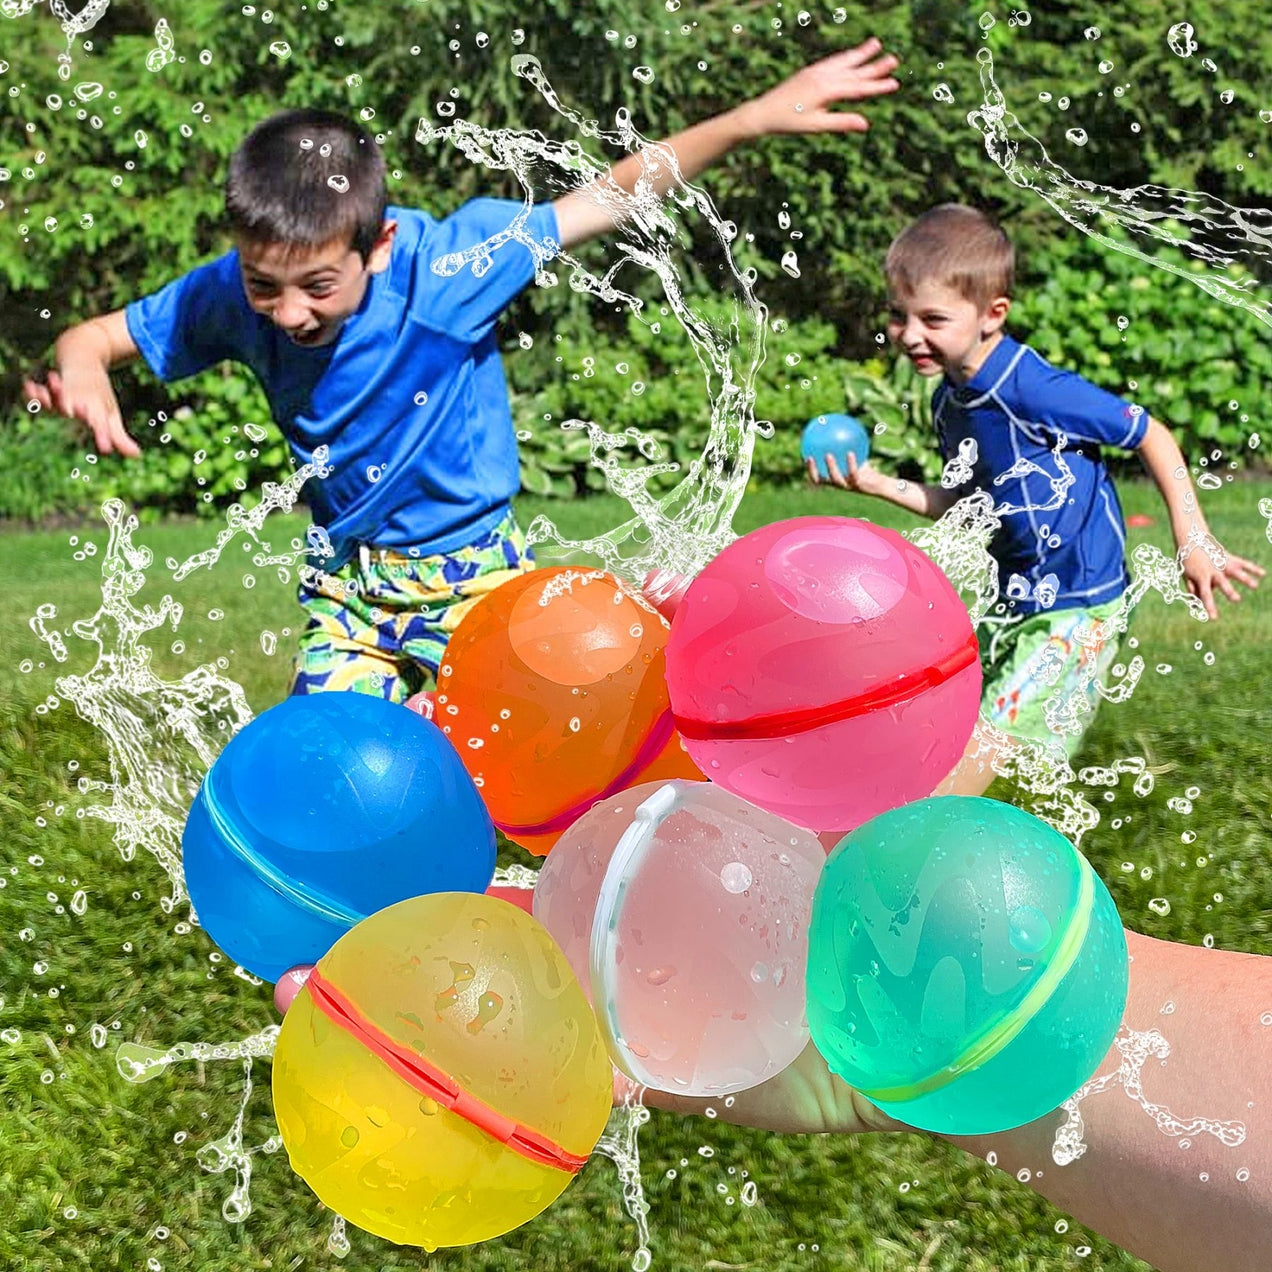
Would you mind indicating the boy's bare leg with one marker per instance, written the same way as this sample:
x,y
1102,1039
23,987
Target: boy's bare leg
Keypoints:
x,y
975,772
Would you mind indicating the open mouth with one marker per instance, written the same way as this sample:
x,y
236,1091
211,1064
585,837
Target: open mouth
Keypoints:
x,y
306,337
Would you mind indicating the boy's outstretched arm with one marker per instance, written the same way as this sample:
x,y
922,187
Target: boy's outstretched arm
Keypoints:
x,y
1207,1208
79,386
866,479
801,104
1161,455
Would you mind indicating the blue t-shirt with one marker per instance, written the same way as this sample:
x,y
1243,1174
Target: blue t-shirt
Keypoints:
x,y
410,399
1061,543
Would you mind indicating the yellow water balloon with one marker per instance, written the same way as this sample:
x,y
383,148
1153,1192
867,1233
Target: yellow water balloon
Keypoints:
x,y
441,1077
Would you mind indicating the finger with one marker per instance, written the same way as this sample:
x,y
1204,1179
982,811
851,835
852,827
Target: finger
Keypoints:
x,y
100,427
833,121
810,467
1202,590
860,55
1224,584
832,467
1248,572
34,392
123,442
852,466
119,435
290,983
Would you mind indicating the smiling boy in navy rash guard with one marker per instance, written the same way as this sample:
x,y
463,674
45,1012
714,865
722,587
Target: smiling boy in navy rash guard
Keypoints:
x,y
1030,435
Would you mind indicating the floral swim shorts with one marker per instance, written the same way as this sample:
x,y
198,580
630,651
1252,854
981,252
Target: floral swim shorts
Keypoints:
x,y
1042,671
379,624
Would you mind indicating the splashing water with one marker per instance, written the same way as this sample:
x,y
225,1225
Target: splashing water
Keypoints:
x,y
139,1064
684,529
1135,1049
1203,227
619,1144
162,735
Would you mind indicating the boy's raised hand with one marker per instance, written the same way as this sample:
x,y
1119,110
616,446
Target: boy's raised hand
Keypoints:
x,y
802,103
89,399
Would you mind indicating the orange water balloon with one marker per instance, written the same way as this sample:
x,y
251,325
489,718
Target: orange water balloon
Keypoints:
x,y
552,692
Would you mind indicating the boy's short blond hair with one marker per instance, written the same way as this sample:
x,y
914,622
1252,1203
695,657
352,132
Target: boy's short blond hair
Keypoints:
x,y
954,246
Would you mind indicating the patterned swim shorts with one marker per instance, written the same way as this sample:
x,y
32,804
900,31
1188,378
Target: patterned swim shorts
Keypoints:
x,y
379,624
1041,671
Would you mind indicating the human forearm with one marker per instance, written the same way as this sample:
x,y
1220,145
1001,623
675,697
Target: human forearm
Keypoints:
x,y
915,496
1206,566
1165,464
1206,1208
84,349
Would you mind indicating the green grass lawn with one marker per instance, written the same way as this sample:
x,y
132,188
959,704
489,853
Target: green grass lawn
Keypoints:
x,y
97,1173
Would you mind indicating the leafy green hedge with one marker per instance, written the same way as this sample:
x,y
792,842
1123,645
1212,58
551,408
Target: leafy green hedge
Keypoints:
x,y
130,215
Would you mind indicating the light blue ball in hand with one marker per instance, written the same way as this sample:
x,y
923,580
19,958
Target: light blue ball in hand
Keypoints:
x,y
835,435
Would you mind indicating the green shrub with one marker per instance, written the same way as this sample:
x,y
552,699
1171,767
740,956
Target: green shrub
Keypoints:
x,y
129,216
38,455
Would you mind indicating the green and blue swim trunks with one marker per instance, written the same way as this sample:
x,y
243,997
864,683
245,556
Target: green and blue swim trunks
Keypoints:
x,y
379,624
1057,657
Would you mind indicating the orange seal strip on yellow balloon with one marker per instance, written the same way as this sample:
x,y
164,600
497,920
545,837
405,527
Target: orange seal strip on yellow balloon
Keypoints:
x,y
431,1081
778,724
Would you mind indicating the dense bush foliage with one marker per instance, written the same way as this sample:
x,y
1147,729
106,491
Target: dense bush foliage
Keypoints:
x,y
111,193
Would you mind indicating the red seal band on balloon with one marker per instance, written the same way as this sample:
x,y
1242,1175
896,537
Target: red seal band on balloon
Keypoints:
x,y
431,1081
780,724
657,738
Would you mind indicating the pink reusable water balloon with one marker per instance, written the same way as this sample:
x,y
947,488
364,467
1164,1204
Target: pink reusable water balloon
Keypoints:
x,y
825,669
684,912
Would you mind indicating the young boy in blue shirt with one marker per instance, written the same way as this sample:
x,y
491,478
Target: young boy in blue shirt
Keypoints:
x,y
1035,434
329,298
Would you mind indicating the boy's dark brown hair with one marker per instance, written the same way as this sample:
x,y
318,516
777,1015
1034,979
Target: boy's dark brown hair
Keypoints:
x,y
307,178
956,247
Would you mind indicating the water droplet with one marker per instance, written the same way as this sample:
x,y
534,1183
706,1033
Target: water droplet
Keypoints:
x,y
736,877
1029,930
1077,136
643,73
1180,39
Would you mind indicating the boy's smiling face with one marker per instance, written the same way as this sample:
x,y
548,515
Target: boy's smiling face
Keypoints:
x,y
308,292
944,333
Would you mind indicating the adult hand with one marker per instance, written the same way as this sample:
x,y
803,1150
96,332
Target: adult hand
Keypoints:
x,y
805,1098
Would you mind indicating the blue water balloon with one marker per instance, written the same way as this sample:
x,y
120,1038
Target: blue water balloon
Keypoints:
x,y
835,435
321,811
967,969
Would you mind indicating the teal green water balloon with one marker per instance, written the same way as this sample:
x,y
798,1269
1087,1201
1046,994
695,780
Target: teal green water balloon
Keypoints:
x,y
967,968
